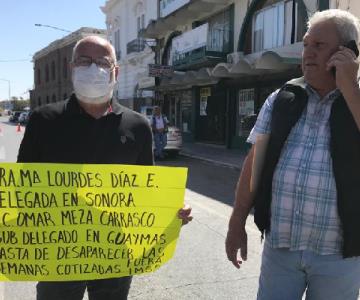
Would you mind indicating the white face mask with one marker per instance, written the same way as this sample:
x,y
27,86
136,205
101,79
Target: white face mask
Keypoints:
x,y
92,84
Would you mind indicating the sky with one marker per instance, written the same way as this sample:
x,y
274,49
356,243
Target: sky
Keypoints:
x,y
20,38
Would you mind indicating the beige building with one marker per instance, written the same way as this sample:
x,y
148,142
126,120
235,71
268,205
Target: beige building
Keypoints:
x,y
52,76
124,20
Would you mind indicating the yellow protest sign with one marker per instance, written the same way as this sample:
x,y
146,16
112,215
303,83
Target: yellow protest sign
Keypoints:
x,y
63,222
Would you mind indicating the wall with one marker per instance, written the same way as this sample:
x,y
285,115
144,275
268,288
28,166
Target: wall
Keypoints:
x,y
60,85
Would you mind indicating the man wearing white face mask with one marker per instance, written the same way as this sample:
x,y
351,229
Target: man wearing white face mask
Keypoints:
x,y
89,127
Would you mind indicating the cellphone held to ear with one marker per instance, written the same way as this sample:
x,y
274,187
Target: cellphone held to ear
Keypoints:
x,y
352,46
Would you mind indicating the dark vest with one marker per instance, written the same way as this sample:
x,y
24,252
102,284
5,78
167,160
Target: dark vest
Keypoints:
x,y
345,152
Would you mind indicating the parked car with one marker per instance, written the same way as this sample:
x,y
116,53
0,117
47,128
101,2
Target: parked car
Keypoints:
x,y
174,141
14,117
24,117
174,136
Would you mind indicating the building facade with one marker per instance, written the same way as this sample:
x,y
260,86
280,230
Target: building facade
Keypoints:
x,y
216,61
194,37
52,76
124,20
227,57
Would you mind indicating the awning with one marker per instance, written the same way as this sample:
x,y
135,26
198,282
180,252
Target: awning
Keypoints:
x,y
182,80
264,62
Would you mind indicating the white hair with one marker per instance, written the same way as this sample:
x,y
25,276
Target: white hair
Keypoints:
x,y
95,38
347,24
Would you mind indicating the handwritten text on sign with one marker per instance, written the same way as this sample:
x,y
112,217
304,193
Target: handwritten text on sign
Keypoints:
x,y
81,222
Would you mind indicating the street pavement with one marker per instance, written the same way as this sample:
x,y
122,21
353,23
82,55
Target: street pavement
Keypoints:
x,y
199,268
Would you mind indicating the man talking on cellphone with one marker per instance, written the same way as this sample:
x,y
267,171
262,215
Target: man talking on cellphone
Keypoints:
x,y
307,201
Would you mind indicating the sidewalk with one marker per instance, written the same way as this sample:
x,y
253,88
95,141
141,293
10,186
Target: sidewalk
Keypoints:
x,y
219,155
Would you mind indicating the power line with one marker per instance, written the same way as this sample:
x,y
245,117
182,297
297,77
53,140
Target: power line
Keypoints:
x,y
14,60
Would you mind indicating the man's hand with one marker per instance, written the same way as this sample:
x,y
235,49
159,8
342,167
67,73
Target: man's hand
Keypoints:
x,y
347,66
236,239
185,214
346,79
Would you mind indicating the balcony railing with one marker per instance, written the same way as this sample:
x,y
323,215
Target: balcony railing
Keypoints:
x,y
136,45
218,45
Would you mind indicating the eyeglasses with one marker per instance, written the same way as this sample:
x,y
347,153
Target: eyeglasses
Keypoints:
x,y
86,61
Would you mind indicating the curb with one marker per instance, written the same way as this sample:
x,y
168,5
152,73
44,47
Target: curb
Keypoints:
x,y
212,161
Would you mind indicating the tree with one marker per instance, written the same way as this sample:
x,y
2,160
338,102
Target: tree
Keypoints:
x,y
20,104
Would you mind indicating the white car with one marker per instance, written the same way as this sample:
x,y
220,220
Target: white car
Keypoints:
x,y
174,140
174,137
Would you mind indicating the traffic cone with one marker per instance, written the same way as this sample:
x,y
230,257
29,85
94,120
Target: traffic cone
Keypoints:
x,y
18,129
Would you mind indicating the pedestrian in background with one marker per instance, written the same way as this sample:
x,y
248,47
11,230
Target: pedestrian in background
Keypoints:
x,y
307,202
159,124
89,128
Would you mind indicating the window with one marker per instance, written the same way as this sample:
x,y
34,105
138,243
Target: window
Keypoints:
x,y
218,38
117,45
246,114
53,99
65,68
47,100
272,26
38,76
65,96
47,73
169,55
39,101
140,22
52,70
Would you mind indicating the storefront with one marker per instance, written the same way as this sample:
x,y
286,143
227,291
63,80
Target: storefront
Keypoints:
x,y
248,96
211,114
178,106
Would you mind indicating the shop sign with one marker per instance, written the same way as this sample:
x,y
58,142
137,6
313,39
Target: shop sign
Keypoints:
x,y
205,92
146,82
191,40
246,102
169,6
160,70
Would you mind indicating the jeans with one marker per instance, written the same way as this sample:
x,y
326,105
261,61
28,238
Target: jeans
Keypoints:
x,y
285,275
160,140
100,289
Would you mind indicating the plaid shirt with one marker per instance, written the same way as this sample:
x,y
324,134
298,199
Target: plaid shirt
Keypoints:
x,y
304,212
